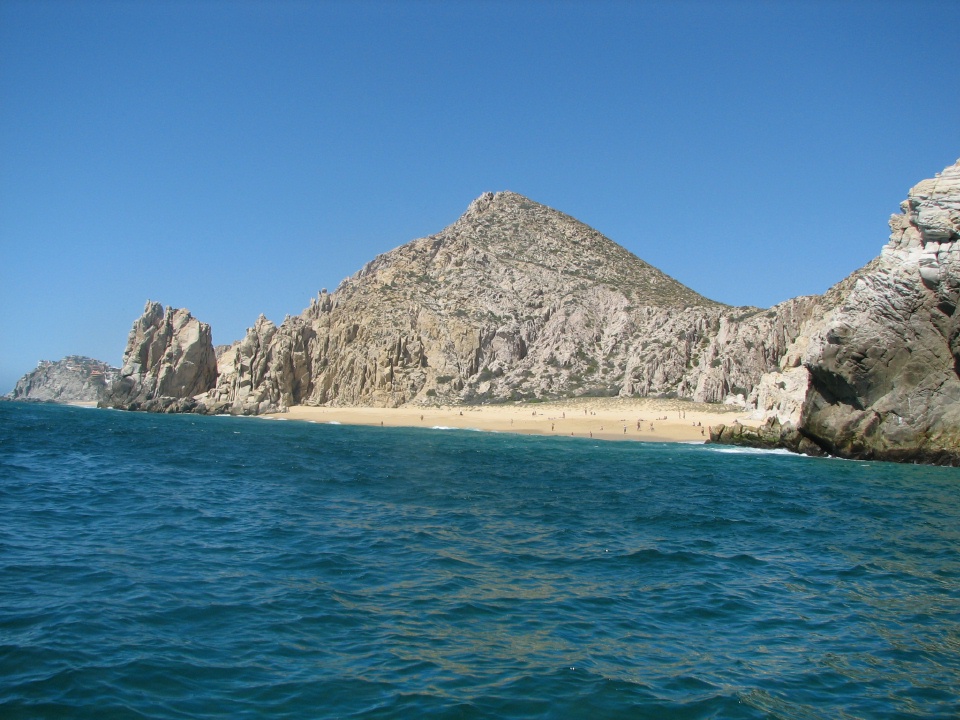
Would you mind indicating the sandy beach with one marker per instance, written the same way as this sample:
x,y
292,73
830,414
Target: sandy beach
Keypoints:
x,y
600,418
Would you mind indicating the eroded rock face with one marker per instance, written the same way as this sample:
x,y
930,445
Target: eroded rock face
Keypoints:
x,y
882,364
518,301
74,379
513,301
168,360
268,370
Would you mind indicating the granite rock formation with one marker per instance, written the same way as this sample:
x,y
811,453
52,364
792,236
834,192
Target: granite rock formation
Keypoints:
x,y
168,360
878,375
75,378
513,301
518,301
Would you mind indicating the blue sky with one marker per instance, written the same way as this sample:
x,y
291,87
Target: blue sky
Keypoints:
x,y
234,158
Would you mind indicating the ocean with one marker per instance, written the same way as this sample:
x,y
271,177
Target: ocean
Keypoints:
x,y
156,566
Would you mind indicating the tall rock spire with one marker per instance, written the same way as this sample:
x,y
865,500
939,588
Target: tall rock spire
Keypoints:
x,y
169,359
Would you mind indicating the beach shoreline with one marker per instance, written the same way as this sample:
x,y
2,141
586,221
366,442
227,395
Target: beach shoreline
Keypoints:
x,y
630,419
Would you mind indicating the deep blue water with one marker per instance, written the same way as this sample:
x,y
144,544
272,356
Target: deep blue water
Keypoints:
x,y
191,567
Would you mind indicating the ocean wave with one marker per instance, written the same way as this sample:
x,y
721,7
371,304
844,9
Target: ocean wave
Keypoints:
x,y
742,450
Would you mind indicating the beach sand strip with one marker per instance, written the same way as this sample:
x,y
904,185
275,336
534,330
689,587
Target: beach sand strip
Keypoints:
x,y
649,419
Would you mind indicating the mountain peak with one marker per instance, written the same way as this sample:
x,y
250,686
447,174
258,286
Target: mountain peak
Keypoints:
x,y
501,200
515,233
504,242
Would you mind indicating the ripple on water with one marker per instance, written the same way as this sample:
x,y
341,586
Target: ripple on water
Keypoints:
x,y
175,567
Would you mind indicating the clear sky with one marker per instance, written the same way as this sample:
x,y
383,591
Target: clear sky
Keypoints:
x,y
235,157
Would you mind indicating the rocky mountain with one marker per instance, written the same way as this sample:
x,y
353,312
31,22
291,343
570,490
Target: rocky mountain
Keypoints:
x,y
168,360
878,375
517,301
513,301
74,379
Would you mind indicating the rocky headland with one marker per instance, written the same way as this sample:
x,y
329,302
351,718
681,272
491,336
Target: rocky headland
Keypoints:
x,y
514,301
74,379
877,376
517,301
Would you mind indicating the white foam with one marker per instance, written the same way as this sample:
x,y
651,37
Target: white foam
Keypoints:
x,y
739,450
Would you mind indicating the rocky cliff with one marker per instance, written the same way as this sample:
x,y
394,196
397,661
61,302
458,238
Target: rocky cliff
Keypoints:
x,y
168,360
518,301
74,379
878,375
513,301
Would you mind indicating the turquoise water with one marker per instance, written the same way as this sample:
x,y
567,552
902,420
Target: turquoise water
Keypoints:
x,y
192,567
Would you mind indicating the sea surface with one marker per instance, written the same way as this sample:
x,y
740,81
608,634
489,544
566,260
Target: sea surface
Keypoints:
x,y
159,566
